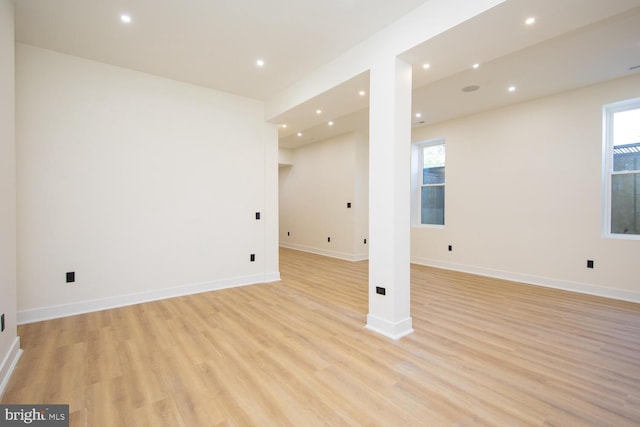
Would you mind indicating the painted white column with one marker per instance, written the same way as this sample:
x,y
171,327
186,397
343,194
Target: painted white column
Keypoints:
x,y
390,197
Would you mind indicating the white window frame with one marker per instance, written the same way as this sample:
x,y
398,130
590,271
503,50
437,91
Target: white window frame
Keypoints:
x,y
607,165
417,162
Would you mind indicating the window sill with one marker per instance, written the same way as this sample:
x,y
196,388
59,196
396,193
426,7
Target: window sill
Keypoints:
x,y
428,226
622,236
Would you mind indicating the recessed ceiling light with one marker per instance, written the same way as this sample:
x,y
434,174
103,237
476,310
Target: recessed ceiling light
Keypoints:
x,y
530,21
260,63
318,111
418,115
476,66
426,66
125,18
362,93
330,123
283,126
299,133
512,88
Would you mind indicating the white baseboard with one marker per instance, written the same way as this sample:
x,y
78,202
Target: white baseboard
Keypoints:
x,y
54,312
272,277
360,257
325,252
547,282
9,363
393,330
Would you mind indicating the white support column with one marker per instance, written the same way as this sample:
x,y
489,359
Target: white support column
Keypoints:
x,y
390,197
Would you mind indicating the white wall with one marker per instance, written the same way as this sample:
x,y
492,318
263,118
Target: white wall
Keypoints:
x,y
285,157
361,196
145,187
9,343
314,193
523,195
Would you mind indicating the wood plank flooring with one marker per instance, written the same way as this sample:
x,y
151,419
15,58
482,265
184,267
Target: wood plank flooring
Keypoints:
x,y
485,352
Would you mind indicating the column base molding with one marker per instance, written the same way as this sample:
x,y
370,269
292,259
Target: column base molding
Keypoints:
x,y
393,330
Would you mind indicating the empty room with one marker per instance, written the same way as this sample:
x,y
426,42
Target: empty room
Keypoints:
x,y
280,213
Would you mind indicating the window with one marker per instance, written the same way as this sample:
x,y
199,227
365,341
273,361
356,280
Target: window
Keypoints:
x,y
429,182
622,169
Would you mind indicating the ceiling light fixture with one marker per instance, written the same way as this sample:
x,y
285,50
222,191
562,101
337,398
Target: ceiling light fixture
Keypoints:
x,y
125,18
362,93
299,133
260,63
418,115
530,21
426,66
330,123
512,88
283,126
476,66
318,111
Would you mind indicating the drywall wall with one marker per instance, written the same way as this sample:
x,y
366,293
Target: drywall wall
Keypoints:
x,y
361,196
524,195
284,157
143,186
9,343
314,193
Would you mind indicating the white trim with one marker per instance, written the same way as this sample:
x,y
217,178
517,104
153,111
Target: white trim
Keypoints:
x,y
360,257
324,252
633,172
64,310
9,364
607,164
430,226
272,277
529,279
417,163
622,236
393,330
607,158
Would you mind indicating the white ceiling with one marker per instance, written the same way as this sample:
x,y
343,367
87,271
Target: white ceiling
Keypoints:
x,y
212,43
573,43
215,44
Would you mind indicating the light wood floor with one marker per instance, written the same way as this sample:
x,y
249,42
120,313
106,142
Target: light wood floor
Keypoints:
x,y
295,353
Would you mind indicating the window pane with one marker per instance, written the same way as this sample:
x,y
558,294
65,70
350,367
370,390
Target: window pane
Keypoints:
x,y
626,157
626,140
433,167
625,204
433,175
432,211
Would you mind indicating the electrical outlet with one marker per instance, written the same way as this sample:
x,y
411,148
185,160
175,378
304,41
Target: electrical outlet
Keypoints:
x,y
329,239
288,234
2,323
365,241
380,290
257,215
71,276
450,248
590,263
348,205
252,257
